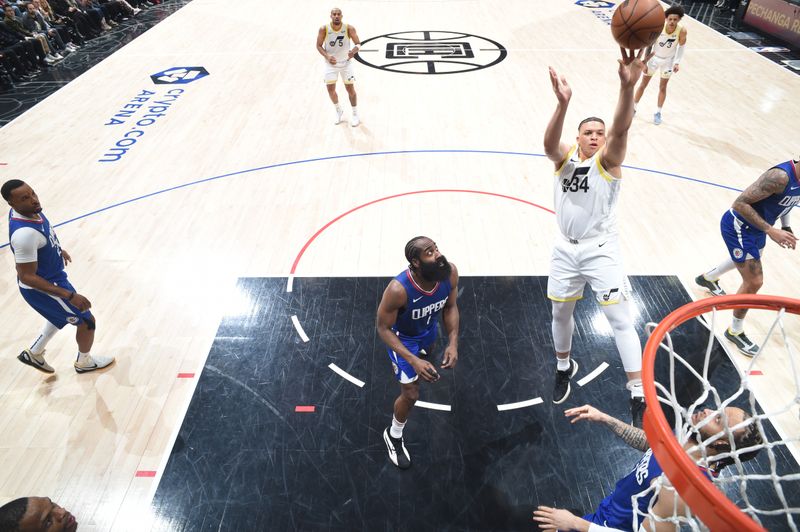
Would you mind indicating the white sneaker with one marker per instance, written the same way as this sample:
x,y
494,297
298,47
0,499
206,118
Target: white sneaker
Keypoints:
x,y
339,113
58,56
35,361
354,120
136,11
49,59
88,363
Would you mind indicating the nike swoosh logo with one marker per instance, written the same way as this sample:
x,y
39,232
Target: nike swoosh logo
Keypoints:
x,y
601,245
794,188
420,297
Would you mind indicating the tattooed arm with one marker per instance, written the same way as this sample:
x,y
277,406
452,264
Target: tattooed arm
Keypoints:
x,y
629,434
773,181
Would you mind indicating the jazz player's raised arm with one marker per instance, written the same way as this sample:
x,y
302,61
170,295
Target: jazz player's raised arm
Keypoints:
x,y
630,70
556,150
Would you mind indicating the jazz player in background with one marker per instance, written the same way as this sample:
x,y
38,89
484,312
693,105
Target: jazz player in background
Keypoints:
x,y
333,43
587,183
407,320
668,51
43,281
745,228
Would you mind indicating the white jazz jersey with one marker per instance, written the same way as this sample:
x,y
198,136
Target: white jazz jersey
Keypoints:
x,y
585,198
667,43
337,43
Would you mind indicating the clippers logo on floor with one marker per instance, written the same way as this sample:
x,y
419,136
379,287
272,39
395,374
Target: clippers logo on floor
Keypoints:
x,y
430,52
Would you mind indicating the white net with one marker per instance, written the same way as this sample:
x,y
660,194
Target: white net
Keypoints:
x,y
698,390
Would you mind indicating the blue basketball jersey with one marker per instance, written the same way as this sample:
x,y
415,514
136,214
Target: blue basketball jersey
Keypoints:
x,y
422,309
50,264
773,207
616,511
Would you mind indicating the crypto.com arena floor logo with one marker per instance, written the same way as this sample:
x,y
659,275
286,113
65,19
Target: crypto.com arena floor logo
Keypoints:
x,y
179,75
430,52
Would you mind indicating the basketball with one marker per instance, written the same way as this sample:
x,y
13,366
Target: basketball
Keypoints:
x,y
636,24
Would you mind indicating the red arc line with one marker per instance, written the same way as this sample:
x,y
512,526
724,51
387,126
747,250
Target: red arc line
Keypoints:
x,y
354,209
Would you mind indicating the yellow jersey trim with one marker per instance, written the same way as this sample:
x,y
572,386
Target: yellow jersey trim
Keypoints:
x,y
564,300
608,177
566,160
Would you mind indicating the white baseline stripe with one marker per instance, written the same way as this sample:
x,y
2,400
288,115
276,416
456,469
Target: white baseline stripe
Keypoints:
x,y
289,283
520,404
591,376
433,406
347,376
299,329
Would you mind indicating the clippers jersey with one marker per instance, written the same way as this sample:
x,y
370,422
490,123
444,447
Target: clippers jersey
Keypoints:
x,y
419,316
50,264
616,510
337,43
773,207
585,197
667,43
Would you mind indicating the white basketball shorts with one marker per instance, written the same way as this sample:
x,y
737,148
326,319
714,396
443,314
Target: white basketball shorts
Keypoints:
x,y
332,73
662,66
597,261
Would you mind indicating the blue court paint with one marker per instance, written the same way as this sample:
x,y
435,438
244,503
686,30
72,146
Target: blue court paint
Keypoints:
x,y
353,155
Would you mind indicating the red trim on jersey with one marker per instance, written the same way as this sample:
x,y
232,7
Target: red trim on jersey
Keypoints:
x,y
41,221
418,287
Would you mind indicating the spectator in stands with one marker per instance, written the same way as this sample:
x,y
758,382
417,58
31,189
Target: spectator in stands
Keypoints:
x,y
13,24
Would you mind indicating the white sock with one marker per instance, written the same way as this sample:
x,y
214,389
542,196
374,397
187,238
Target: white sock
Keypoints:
x,y
658,110
397,428
635,387
719,270
338,107
82,356
563,364
355,111
737,325
48,331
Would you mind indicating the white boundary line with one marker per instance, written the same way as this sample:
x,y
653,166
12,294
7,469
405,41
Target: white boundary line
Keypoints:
x,y
591,376
433,406
346,376
299,329
289,283
520,404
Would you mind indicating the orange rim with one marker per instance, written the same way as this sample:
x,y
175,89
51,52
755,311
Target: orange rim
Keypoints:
x,y
712,506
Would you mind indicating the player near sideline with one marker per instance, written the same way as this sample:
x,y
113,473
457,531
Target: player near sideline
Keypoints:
x,y
333,43
43,281
407,321
745,228
668,52
587,183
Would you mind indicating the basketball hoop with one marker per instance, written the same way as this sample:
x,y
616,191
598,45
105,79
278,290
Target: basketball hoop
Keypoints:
x,y
709,506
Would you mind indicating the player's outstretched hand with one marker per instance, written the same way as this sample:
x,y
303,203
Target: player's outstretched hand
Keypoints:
x,y
426,370
560,87
782,237
585,413
632,65
556,519
450,357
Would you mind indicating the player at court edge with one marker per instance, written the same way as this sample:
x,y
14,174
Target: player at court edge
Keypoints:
x,y
407,321
587,179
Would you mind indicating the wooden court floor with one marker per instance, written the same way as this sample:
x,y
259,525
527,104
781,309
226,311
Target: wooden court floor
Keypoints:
x,y
168,193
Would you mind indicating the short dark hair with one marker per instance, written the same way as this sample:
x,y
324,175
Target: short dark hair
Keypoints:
x,y
11,514
10,185
590,119
674,10
750,436
413,249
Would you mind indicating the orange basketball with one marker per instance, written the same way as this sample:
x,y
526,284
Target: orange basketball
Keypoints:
x,y
637,24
